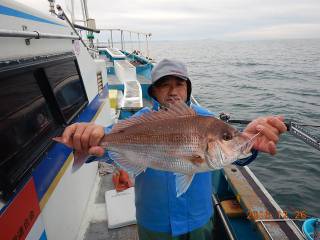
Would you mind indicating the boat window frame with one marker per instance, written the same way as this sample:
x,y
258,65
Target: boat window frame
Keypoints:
x,y
54,102
33,153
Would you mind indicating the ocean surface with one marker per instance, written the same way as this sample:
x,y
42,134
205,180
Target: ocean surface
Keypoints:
x,y
249,79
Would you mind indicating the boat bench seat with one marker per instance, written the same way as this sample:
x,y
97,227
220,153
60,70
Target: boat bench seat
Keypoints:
x,y
259,205
232,208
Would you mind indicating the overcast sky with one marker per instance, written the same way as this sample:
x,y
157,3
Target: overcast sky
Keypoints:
x,y
202,19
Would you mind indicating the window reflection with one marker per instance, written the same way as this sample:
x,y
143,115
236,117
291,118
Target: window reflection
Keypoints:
x,y
67,88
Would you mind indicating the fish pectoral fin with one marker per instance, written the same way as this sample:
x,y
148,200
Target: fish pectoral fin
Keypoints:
x,y
183,182
122,162
197,160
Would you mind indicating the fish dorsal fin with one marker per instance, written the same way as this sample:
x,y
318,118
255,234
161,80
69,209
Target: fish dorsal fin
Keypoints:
x,y
179,110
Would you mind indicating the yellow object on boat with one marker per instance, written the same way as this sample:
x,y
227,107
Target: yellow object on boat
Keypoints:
x,y
232,208
113,98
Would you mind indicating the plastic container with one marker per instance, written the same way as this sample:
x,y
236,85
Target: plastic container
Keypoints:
x,y
308,228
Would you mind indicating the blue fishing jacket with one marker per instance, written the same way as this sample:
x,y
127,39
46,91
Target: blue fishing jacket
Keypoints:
x,y
157,207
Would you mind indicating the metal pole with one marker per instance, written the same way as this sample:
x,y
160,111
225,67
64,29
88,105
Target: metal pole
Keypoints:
x,y
34,34
124,41
76,32
194,100
131,42
83,12
121,36
147,46
111,39
86,28
222,217
86,9
139,46
72,11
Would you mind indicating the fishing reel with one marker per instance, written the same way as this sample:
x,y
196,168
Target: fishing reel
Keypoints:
x,y
224,117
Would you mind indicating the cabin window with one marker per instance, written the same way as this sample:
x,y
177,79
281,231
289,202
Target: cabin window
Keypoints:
x,y
67,87
37,100
25,122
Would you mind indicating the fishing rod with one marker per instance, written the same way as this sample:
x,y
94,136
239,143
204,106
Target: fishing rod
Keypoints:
x,y
294,128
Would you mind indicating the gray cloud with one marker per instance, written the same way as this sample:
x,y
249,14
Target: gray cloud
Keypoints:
x,y
219,19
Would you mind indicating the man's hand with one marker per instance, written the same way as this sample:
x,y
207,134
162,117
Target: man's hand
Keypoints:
x,y
270,129
84,137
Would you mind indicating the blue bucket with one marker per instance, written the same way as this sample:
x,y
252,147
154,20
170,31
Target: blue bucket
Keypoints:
x,y
308,227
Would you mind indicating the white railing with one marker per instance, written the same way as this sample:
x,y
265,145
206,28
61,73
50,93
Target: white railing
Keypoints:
x,y
126,40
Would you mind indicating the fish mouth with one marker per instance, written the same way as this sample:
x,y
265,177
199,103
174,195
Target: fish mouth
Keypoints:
x,y
222,159
245,148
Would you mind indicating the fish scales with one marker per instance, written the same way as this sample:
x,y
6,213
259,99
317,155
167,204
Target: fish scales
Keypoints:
x,y
181,131
170,143
158,158
175,140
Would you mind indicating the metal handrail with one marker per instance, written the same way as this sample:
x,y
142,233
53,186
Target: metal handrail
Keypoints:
x,y
122,40
125,30
73,28
226,224
34,34
86,28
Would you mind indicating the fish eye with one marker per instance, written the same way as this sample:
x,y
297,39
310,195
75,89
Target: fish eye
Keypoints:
x,y
226,136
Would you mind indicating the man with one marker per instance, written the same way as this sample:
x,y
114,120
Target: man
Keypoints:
x,y
160,214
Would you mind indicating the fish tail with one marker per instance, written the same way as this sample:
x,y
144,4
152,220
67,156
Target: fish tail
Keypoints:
x,y
79,159
58,139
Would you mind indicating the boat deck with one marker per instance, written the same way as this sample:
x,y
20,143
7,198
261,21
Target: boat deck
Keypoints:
x,y
98,226
100,231
241,182
114,80
143,80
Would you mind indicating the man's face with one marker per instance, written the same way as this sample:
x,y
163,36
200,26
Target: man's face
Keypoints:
x,y
170,90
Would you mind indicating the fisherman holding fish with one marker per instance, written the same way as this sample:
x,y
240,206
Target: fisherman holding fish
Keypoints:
x,y
171,152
